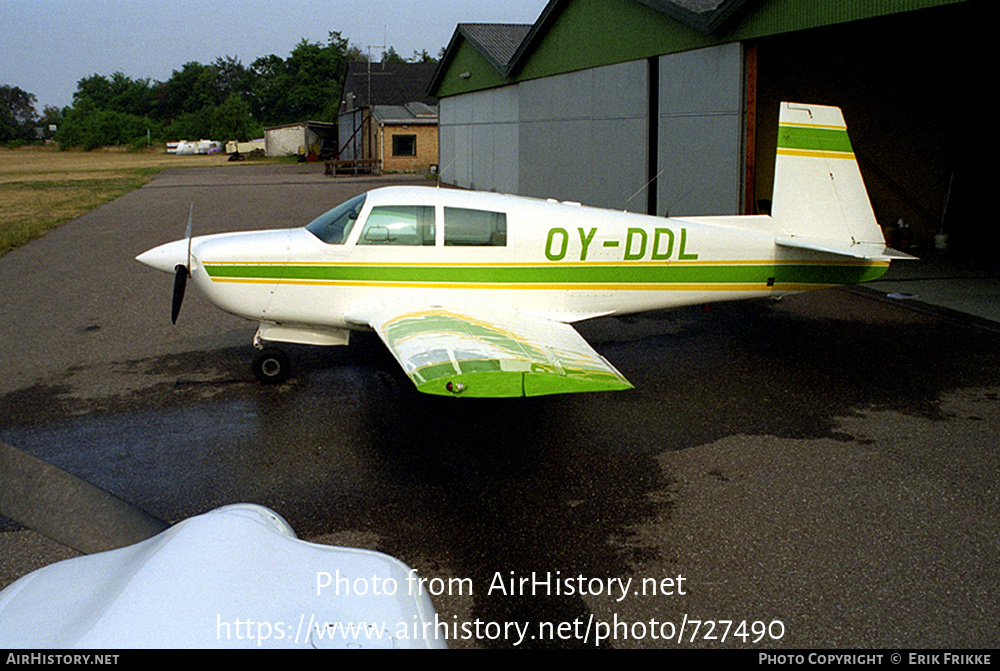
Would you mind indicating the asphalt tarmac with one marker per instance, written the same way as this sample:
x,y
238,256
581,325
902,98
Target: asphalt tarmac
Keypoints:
x,y
822,469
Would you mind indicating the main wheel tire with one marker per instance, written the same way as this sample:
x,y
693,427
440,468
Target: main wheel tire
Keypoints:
x,y
271,366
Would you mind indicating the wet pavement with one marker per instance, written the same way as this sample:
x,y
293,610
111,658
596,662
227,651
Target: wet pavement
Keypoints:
x,y
948,283
826,462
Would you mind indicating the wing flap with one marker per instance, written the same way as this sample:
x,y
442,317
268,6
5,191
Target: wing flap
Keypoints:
x,y
500,355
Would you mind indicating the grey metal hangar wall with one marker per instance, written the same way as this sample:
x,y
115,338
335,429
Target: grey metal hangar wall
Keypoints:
x,y
599,136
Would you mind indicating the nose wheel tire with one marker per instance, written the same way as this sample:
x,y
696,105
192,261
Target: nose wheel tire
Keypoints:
x,y
271,366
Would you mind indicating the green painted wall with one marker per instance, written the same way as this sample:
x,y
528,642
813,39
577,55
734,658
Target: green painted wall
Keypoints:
x,y
592,33
584,34
773,17
482,75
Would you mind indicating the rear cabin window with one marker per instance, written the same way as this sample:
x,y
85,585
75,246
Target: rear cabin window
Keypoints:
x,y
477,228
399,225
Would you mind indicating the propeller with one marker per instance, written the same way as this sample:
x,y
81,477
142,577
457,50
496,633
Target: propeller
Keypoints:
x,y
180,284
181,273
65,508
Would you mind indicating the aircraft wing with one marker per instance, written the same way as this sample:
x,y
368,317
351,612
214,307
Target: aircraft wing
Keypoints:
x,y
500,354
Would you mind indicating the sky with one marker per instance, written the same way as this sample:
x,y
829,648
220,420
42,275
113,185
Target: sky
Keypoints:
x,y
47,46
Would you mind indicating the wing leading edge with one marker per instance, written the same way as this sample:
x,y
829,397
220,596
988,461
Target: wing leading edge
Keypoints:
x,y
509,355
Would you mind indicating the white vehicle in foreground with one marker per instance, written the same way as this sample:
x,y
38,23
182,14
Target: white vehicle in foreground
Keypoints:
x,y
236,577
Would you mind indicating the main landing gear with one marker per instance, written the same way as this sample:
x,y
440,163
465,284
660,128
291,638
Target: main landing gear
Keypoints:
x,y
271,366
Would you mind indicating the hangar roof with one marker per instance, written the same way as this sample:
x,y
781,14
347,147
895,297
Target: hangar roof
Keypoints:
x,y
704,15
497,42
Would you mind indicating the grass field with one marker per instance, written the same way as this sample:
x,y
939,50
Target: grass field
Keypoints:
x,y
41,188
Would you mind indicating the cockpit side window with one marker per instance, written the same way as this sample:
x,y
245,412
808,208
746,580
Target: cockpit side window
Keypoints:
x,y
474,228
334,226
399,225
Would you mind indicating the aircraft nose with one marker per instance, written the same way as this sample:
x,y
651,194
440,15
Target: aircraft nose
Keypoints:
x,y
166,257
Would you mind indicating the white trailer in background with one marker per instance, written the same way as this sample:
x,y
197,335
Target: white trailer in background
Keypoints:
x,y
234,147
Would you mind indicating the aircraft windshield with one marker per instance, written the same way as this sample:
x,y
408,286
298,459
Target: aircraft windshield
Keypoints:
x,y
334,226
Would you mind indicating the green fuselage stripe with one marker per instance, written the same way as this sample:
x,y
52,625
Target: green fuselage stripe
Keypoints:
x,y
555,274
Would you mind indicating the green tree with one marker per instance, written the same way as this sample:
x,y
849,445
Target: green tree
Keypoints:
x,y
423,57
223,100
233,78
314,74
229,121
391,56
195,125
51,117
17,115
95,90
268,82
118,93
306,85
131,96
232,121
192,88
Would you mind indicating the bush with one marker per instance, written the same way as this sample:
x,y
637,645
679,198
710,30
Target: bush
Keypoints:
x,y
92,128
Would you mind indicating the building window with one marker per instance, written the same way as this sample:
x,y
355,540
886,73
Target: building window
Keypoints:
x,y
404,145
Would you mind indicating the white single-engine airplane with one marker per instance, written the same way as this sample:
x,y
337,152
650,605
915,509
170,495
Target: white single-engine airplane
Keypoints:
x,y
474,293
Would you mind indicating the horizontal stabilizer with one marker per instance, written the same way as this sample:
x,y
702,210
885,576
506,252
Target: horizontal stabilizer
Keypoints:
x,y
870,251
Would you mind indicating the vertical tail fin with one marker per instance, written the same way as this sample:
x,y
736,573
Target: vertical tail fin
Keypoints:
x,y
819,199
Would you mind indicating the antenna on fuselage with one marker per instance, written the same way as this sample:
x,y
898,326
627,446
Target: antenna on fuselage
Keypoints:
x,y
440,170
642,188
677,200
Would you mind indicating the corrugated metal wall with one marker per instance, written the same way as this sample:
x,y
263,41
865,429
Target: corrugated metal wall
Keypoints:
x,y
478,136
580,136
905,82
583,136
700,132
